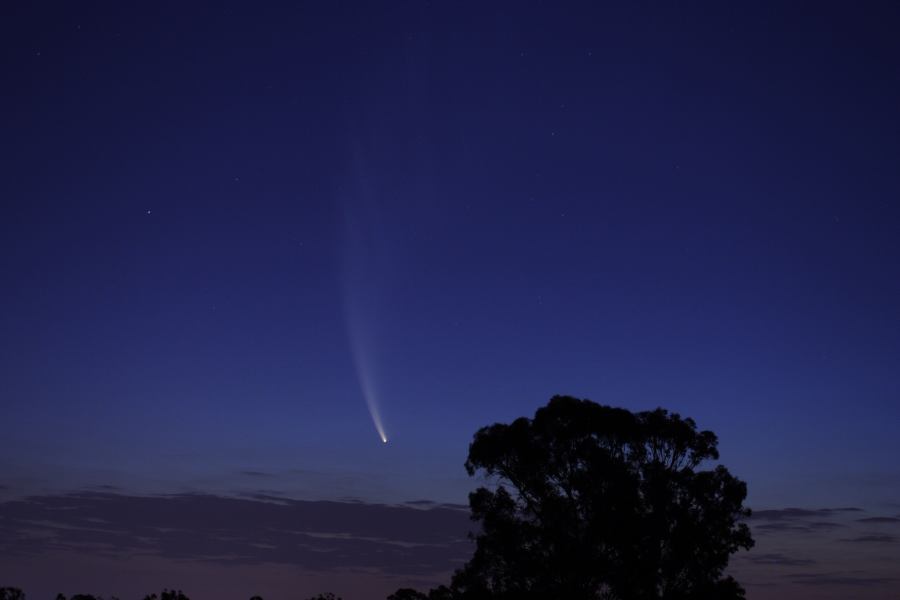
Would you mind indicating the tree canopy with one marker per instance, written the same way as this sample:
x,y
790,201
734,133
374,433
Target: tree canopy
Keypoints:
x,y
168,595
591,502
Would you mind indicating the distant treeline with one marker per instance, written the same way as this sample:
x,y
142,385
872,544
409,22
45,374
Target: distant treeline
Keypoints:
x,y
12,593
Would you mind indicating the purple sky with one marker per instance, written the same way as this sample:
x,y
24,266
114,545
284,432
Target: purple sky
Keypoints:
x,y
227,227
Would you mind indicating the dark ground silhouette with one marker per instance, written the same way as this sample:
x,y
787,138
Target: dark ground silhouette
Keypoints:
x,y
10,593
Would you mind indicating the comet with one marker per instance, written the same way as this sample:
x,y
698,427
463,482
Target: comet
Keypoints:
x,y
367,266
366,380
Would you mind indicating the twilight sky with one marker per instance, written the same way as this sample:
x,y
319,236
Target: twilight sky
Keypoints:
x,y
231,232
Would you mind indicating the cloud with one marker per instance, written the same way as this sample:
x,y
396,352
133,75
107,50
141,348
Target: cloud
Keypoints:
x,y
778,559
879,520
781,526
824,525
797,545
314,535
800,520
840,580
874,538
799,513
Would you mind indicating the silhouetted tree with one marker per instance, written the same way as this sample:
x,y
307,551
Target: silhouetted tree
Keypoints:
x,y
11,593
591,502
407,594
85,597
256,598
326,596
167,594
439,593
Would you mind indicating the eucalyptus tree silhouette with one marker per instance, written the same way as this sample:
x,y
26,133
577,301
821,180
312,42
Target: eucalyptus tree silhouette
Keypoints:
x,y
11,593
590,502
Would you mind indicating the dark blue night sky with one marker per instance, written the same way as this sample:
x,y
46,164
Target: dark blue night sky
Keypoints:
x,y
225,225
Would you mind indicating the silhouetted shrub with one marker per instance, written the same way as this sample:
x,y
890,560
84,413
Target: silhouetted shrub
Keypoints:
x,y
11,593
